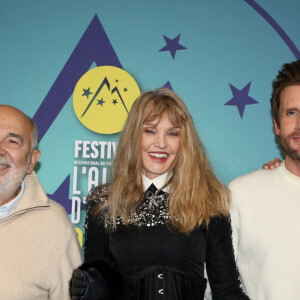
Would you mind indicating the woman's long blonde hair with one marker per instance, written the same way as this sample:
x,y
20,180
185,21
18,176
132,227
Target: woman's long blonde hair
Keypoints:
x,y
196,194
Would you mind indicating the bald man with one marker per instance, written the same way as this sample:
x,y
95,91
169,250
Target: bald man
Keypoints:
x,y
38,245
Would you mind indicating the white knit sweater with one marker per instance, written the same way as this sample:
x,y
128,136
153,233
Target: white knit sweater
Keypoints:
x,y
266,233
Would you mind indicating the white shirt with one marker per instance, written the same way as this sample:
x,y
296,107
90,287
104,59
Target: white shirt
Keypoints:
x,y
6,209
158,181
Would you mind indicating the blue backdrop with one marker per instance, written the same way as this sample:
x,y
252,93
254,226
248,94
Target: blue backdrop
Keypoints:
x,y
219,56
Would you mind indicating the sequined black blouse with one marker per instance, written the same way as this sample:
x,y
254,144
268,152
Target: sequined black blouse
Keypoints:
x,y
165,264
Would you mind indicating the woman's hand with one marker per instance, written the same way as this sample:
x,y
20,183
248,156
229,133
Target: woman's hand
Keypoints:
x,y
272,164
88,285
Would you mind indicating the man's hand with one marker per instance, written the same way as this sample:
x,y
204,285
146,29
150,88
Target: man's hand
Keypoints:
x,y
272,164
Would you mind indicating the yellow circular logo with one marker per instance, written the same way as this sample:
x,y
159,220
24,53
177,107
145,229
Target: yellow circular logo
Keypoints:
x,y
103,97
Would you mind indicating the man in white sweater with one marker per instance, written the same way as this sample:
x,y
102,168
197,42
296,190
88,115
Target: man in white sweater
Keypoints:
x,y
38,245
266,205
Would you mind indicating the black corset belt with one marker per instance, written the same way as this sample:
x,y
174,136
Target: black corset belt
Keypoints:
x,y
167,283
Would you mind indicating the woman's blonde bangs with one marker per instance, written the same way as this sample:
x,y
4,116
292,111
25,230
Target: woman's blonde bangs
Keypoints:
x,y
165,105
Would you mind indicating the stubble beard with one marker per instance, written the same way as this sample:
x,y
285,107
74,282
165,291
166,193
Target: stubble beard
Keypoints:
x,y
289,151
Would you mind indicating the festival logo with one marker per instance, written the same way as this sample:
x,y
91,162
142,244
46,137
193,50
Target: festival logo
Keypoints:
x,y
103,97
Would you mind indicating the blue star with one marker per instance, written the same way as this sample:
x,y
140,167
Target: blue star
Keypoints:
x,y
172,45
125,90
87,92
240,98
117,80
115,101
101,102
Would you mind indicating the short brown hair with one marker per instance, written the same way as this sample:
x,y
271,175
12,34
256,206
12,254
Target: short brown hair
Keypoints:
x,y
289,74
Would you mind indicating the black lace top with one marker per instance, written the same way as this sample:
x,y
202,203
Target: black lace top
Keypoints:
x,y
162,263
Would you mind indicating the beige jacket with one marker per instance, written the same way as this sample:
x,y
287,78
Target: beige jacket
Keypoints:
x,y
38,248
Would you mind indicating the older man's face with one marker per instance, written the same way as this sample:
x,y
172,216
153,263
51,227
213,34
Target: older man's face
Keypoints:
x,y
15,145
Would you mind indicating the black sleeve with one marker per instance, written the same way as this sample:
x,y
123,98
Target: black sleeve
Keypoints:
x,y
96,244
107,278
220,262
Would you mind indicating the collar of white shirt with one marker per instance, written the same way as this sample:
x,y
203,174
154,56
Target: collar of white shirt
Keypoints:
x,y
158,181
6,209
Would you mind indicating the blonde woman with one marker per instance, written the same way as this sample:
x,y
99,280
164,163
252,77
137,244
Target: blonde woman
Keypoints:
x,y
162,215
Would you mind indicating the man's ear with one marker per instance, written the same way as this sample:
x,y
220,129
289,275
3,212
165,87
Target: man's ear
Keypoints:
x,y
35,155
276,127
